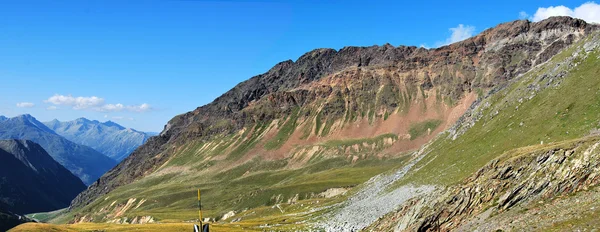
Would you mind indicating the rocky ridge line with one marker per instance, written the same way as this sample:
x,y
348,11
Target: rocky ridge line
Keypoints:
x,y
485,59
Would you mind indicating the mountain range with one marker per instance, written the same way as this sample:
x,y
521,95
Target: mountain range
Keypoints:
x,y
496,132
108,138
83,161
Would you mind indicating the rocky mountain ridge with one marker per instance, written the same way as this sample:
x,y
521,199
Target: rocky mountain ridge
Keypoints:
x,y
325,93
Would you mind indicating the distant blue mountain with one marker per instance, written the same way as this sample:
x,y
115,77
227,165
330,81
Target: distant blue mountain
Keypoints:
x,y
109,138
83,161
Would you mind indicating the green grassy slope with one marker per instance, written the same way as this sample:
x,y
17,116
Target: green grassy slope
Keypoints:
x,y
171,197
557,101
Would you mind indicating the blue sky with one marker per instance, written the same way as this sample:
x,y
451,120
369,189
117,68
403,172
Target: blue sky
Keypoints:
x,y
147,61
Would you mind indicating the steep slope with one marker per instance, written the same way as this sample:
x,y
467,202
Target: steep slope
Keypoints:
x,y
31,181
109,138
85,162
331,119
526,153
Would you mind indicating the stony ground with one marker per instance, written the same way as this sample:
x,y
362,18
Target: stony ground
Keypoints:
x,y
579,212
371,202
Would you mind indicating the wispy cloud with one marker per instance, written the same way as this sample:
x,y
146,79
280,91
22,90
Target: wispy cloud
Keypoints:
x,y
589,11
51,108
95,103
457,34
120,107
25,105
122,118
523,15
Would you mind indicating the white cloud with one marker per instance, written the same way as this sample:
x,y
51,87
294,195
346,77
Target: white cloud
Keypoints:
x,y
544,13
112,107
95,103
459,33
141,108
25,105
51,108
77,103
589,11
523,15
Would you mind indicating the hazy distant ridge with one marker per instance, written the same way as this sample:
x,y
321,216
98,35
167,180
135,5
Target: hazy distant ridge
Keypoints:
x,y
83,161
109,138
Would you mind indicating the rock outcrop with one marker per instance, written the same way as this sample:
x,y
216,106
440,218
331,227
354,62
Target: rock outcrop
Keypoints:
x,y
520,176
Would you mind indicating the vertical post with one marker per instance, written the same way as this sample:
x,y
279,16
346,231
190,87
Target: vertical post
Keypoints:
x,y
199,208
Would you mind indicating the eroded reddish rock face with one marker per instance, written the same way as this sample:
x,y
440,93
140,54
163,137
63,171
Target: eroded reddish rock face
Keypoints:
x,y
357,87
